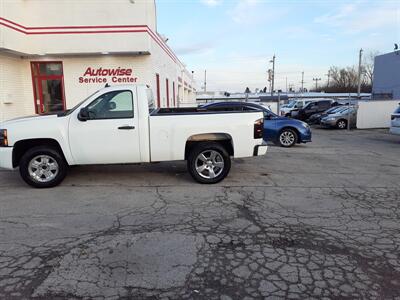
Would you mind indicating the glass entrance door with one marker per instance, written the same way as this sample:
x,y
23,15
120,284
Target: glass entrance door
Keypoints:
x,y
48,86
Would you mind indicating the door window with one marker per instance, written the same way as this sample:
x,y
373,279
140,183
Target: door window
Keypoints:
x,y
112,105
48,86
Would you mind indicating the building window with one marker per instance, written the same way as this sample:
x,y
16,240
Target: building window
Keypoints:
x,y
48,86
158,90
167,85
173,93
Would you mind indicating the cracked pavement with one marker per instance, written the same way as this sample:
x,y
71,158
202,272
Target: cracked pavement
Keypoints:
x,y
319,221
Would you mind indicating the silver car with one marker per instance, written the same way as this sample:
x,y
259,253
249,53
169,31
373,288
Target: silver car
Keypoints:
x,y
395,125
341,118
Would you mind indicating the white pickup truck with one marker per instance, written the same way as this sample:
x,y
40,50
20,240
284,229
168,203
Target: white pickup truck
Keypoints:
x,y
120,125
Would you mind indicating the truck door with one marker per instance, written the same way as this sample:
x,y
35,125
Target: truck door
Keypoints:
x,y
109,133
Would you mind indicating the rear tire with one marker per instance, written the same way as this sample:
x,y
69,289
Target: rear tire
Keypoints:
x,y
43,167
341,124
287,138
208,163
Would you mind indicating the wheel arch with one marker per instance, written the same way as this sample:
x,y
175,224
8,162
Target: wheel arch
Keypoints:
x,y
223,139
291,128
22,146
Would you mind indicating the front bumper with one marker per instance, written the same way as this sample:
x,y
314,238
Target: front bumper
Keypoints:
x,y
260,149
395,130
330,123
6,158
306,137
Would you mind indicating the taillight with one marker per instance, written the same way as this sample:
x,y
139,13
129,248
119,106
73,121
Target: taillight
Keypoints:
x,y
258,128
3,138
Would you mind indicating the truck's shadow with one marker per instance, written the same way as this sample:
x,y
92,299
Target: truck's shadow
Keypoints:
x,y
166,173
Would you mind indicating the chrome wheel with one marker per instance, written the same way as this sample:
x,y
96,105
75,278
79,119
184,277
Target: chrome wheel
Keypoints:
x,y
43,168
209,164
287,138
342,124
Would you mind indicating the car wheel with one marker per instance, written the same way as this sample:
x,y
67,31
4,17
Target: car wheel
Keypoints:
x,y
43,167
341,124
209,163
287,138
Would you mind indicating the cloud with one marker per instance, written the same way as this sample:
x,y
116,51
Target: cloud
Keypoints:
x,y
362,16
337,17
199,48
250,12
211,3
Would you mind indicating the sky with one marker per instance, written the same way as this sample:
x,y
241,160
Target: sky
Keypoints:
x,y
234,40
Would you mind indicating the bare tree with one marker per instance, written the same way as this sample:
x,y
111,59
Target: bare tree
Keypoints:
x,y
368,66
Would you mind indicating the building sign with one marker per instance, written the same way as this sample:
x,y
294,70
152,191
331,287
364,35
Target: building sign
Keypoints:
x,y
104,75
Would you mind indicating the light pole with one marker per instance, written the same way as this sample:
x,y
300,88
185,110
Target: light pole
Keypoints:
x,y
359,74
273,75
302,81
205,81
316,82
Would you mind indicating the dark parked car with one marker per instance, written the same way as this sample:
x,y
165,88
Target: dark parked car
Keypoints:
x,y
282,131
313,108
316,118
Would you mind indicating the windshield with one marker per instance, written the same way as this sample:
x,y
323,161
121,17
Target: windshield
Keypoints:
x,y
266,110
70,111
291,104
346,110
397,111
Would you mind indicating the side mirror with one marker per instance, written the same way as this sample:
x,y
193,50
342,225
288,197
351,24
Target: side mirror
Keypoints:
x,y
112,105
83,114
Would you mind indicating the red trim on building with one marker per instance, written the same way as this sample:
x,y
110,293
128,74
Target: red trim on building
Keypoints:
x,y
90,30
173,93
158,90
167,85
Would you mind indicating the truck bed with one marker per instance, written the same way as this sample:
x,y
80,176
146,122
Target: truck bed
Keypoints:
x,y
194,110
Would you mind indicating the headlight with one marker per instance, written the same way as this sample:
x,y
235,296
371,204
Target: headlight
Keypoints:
x,y
3,138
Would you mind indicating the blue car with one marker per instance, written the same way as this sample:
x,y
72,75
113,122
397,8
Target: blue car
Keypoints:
x,y
282,131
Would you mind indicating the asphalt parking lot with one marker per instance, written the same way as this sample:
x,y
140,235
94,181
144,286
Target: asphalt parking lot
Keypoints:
x,y
318,220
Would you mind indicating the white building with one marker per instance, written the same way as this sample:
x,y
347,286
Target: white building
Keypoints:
x,y
54,54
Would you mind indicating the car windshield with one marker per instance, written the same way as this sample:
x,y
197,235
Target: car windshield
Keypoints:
x,y
70,111
346,110
397,111
336,110
291,104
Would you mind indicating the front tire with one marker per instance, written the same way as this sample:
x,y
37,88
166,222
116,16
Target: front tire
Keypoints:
x,y
209,163
287,138
341,124
43,167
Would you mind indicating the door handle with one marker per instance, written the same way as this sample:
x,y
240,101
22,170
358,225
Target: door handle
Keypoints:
x,y
126,127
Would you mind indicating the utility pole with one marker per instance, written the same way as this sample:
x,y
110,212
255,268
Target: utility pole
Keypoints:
x,y
329,77
273,75
359,73
316,82
205,81
286,86
302,81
